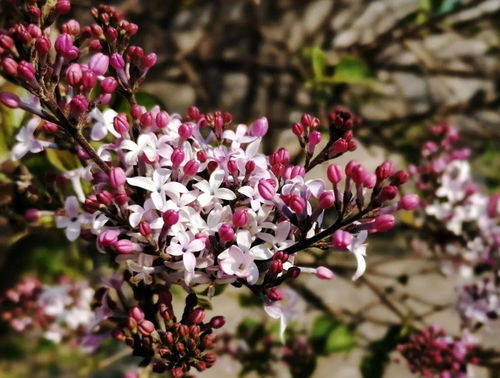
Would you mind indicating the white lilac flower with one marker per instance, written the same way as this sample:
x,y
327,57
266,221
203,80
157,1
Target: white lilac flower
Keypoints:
x,y
211,189
146,144
184,245
72,220
285,310
26,141
280,240
358,248
103,123
159,186
238,260
239,136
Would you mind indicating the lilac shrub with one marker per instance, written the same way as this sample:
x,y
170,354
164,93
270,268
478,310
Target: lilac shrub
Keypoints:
x,y
175,200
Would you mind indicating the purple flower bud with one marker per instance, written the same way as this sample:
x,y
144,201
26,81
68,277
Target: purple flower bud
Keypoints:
x,y
6,42
63,6
191,168
339,147
26,70
283,156
74,74
185,131
266,190
109,84
388,193
117,61
226,232
9,65
249,167
105,99
400,177
34,31
162,119
384,170
108,238
120,123
274,294
149,60
201,156
335,174
341,239
197,316
63,43
42,45
170,217
72,53
177,156
31,215
10,100
99,64
105,197
79,104
326,200
409,202
117,177
297,204
351,167
89,79
71,27
146,119
384,223
324,273
125,246
49,127
121,197
232,167
240,218
136,313
370,180
314,138
298,129
260,127
217,322
146,327
144,228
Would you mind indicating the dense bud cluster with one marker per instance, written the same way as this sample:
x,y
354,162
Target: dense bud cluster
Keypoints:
x,y
170,344
431,353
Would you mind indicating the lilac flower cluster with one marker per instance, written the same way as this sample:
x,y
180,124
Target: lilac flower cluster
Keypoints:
x,y
455,204
431,353
187,200
59,312
479,303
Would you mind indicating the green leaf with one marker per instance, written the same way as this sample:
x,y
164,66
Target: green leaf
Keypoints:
x,y
318,60
351,70
10,121
447,6
249,300
340,339
62,160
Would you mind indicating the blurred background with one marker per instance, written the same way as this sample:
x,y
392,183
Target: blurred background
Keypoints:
x,y
403,65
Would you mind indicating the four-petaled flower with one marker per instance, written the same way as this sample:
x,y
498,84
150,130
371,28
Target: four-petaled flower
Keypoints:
x,y
185,246
72,219
211,189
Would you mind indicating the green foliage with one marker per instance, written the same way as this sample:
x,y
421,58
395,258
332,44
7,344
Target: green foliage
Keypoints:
x,y
11,120
249,300
375,362
329,335
489,163
351,70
